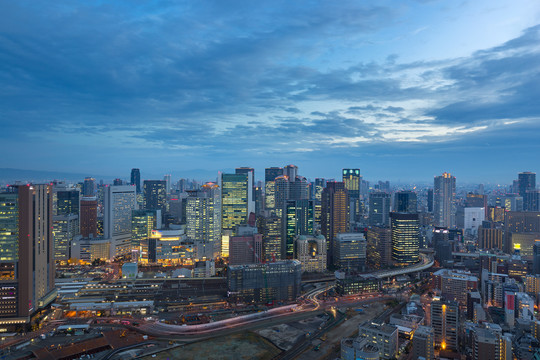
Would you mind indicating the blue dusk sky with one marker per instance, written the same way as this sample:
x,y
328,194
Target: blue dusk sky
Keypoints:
x,y
403,90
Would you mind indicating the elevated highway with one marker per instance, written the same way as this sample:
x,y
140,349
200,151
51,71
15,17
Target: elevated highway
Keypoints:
x,y
425,263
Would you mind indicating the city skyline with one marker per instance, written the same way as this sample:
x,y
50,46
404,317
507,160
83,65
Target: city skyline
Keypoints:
x,y
402,92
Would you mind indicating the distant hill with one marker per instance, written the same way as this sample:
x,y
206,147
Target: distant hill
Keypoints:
x,y
8,175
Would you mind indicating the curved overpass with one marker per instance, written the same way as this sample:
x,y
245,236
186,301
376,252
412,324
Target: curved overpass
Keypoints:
x,y
426,262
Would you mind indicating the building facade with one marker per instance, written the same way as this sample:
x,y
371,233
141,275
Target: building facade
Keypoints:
x,y
275,281
444,194
311,251
119,202
405,241
203,219
26,254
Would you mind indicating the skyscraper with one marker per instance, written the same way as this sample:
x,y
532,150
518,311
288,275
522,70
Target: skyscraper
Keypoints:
x,y
66,200
89,187
444,194
405,202
270,175
246,247
352,180
405,244
65,228
271,228
88,218
119,203
379,247
334,213
311,252
350,251
281,194
531,201
136,179
142,224
167,179
320,184
379,209
65,219
299,219
155,195
526,181
203,219
27,256
236,200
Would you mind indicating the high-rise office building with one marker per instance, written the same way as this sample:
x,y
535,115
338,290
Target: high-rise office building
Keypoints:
x,y
167,179
531,201
526,182
476,200
379,247
246,170
290,171
352,180
136,179
299,218
246,247
142,223
445,323
272,237
65,228
119,203
66,200
270,175
379,209
251,172
65,219
405,202
311,252
27,254
490,236
334,213
88,217
281,195
405,242
430,200
89,187
350,251
444,195
519,222
155,195
236,199
203,219
274,281
320,184
289,186
536,259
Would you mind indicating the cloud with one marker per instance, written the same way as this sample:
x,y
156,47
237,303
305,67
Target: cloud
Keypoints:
x,y
231,78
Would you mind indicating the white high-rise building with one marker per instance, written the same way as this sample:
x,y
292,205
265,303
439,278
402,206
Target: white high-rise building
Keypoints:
x,y
473,217
119,201
167,179
444,195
